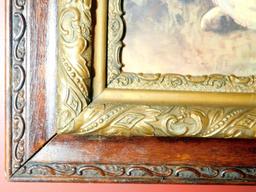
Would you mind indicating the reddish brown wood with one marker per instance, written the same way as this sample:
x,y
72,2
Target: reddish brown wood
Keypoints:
x,y
42,60
151,150
63,158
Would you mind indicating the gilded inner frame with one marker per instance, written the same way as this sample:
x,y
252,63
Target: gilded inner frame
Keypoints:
x,y
173,81
96,98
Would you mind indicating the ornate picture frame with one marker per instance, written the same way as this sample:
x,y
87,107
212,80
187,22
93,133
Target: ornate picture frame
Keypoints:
x,y
74,116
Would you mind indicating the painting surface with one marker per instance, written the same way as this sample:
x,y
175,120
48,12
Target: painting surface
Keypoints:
x,y
194,37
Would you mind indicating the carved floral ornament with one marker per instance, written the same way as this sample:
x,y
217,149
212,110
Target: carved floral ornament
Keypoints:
x,y
74,58
74,87
80,115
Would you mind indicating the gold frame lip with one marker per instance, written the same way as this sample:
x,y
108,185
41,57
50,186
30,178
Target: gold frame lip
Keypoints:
x,y
132,88
158,97
100,46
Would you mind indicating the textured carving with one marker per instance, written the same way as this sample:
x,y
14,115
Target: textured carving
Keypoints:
x,y
215,82
18,82
209,83
229,121
164,173
115,34
74,60
176,121
131,120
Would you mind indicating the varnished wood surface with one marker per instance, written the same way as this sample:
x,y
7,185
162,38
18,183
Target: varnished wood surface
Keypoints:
x,y
41,76
69,150
159,151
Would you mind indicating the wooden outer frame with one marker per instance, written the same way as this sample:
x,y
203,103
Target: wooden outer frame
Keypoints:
x,y
35,152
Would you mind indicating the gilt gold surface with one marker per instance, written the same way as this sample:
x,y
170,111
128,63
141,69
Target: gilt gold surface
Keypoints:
x,y
99,49
74,58
35,152
140,104
145,120
115,36
209,83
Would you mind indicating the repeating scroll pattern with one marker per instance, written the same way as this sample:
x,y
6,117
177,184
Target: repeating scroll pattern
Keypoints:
x,y
209,83
119,79
164,174
74,60
18,82
176,121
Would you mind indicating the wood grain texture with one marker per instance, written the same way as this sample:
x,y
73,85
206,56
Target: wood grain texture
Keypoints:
x,y
30,72
143,160
42,57
97,159
143,150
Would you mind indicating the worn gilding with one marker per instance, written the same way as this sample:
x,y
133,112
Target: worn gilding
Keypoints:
x,y
176,121
128,116
74,60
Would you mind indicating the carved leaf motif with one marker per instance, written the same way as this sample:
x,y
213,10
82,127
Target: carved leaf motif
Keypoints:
x,y
74,65
211,83
141,120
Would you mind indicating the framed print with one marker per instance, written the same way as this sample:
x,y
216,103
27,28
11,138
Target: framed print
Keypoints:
x,y
144,91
